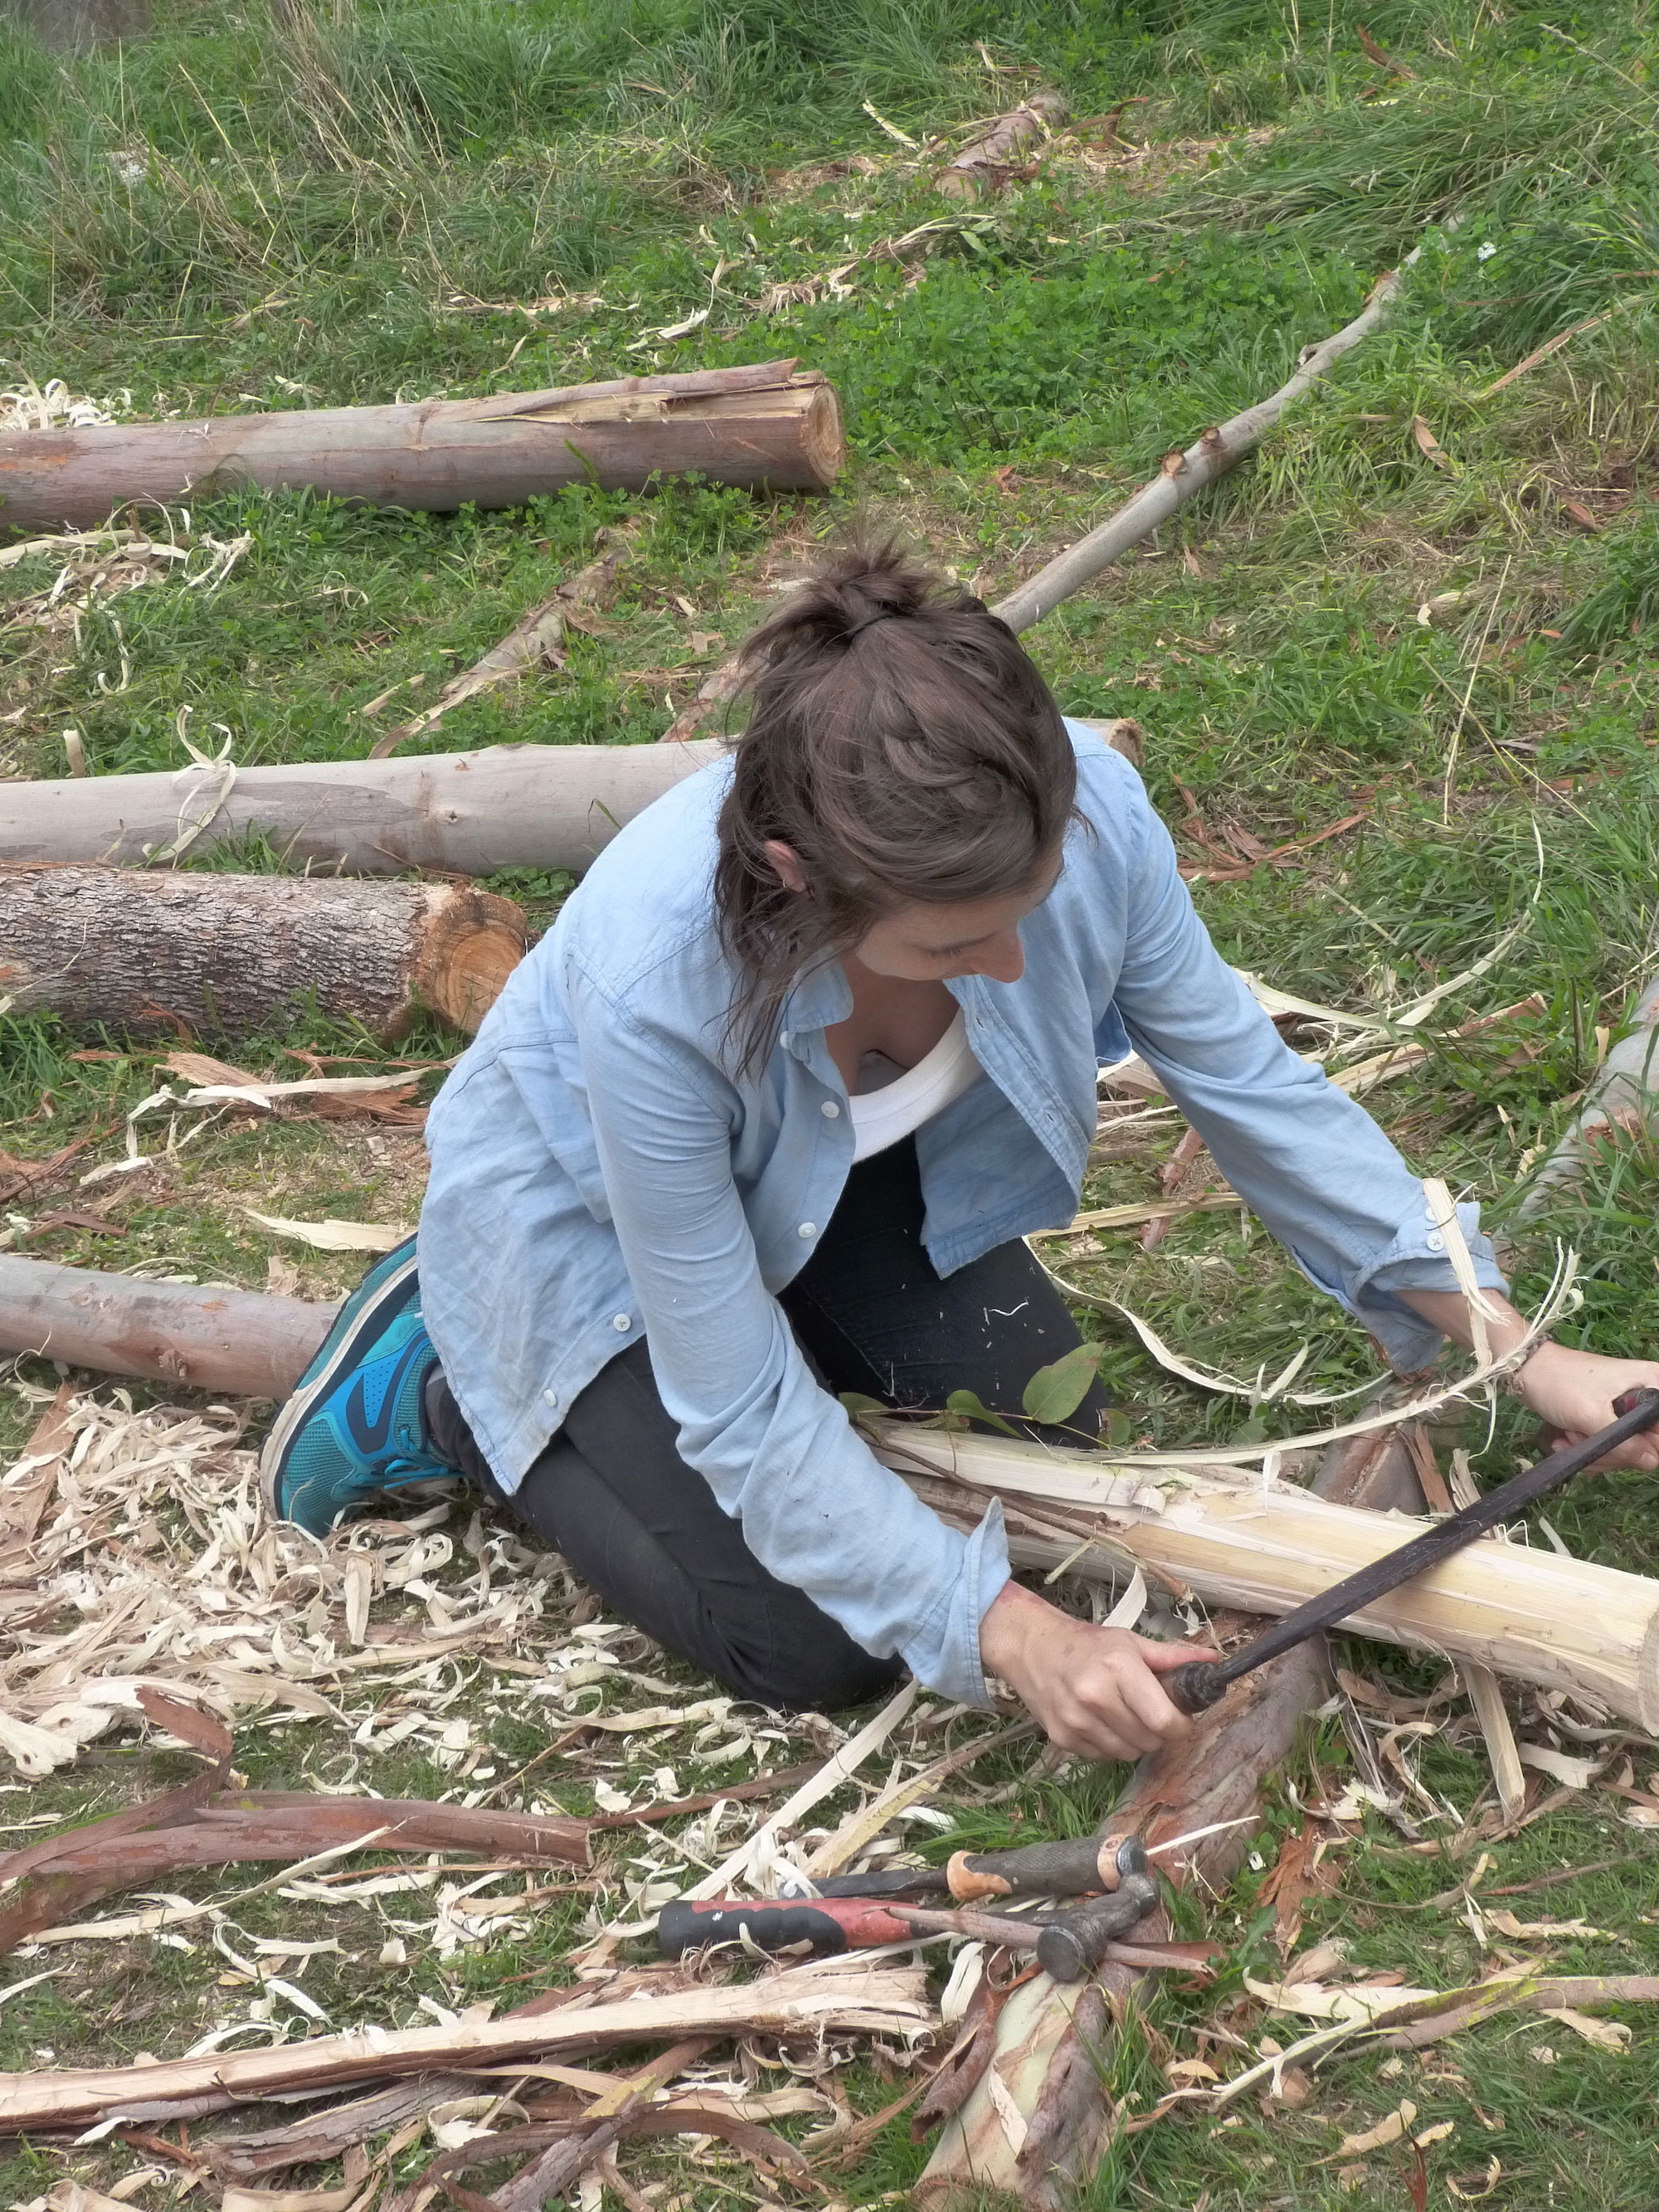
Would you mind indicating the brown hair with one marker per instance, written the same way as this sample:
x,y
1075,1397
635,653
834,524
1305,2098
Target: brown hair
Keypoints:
x,y
902,742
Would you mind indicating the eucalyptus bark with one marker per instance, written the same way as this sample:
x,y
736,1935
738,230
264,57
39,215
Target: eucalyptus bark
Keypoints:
x,y
1050,2037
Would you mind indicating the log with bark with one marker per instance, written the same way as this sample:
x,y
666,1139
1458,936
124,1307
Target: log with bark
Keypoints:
x,y
1043,2134
1563,1623
140,952
985,160
507,806
78,26
768,427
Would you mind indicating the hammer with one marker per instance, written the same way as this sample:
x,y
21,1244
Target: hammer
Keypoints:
x,y
1197,1685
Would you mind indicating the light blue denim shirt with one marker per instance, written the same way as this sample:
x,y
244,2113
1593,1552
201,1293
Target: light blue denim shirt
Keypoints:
x,y
596,1171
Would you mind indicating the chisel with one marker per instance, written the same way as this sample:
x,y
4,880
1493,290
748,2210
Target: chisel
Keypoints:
x,y
1197,1685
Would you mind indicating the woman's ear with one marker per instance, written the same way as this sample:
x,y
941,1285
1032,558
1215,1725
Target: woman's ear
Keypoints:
x,y
785,860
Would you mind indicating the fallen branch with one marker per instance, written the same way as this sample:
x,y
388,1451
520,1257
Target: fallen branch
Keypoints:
x,y
507,806
811,2001
1623,1094
140,952
1185,475
983,161
1181,478
764,427
536,638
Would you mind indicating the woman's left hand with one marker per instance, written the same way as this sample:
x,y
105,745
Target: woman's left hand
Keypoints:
x,y
1573,1394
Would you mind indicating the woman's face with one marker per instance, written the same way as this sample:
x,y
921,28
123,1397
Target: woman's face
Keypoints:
x,y
934,943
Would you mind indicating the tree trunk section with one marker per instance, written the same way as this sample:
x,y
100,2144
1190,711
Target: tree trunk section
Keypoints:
x,y
1048,2035
244,1342
227,955
507,806
766,428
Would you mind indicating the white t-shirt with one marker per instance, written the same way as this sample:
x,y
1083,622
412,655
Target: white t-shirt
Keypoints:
x,y
890,1103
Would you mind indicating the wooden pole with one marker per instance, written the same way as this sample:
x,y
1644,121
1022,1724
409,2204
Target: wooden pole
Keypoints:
x,y
1564,1623
1049,2038
215,1338
768,427
139,952
507,806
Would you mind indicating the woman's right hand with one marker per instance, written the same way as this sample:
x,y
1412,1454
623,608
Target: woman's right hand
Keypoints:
x,y
1093,1691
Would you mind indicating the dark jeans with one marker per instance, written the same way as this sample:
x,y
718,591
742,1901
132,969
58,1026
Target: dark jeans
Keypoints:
x,y
613,1495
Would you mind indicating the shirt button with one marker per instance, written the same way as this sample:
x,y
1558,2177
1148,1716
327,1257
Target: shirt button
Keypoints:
x,y
1435,1241
808,1229
550,1398
620,1323
784,1039
829,1110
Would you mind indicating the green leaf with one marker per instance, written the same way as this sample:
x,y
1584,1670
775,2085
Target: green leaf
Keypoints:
x,y
1055,1393
966,1402
856,1404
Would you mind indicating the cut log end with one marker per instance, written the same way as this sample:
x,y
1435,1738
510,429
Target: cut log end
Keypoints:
x,y
470,945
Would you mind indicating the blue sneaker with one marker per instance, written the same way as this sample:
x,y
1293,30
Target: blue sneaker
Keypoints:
x,y
356,1423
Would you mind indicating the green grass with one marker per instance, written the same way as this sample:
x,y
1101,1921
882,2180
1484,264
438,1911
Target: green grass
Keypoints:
x,y
244,212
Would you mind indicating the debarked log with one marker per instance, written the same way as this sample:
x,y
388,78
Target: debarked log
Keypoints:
x,y
507,806
205,1337
141,951
765,427
1564,1623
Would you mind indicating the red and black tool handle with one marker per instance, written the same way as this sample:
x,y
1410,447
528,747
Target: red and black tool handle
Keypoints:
x,y
828,1924
1198,1686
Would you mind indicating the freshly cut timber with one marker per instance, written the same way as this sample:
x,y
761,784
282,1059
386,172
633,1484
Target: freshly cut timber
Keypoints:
x,y
507,806
768,427
1048,2038
985,160
1564,1623
141,951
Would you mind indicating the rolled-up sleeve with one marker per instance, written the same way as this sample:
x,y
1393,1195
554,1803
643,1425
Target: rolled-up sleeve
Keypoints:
x,y
1304,1156
817,1509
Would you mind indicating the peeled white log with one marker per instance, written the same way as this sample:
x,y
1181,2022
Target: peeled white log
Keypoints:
x,y
1561,1622
507,806
1565,1623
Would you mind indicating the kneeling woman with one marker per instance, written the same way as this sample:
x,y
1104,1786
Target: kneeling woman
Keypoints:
x,y
766,1117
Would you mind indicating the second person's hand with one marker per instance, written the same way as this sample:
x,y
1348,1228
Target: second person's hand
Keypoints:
x,y
1093,1691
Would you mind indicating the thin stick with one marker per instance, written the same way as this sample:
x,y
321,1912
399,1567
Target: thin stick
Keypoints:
x,y
1184,474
